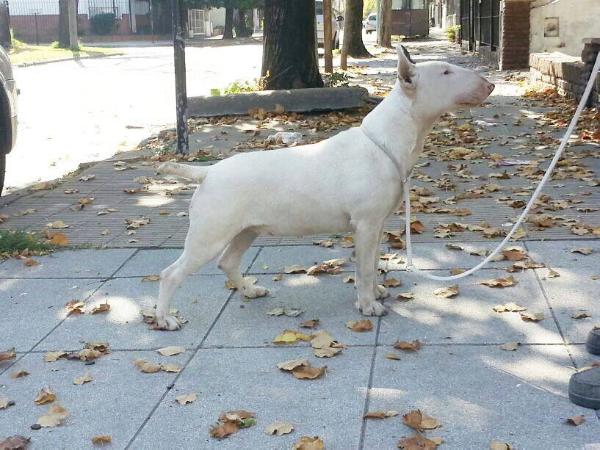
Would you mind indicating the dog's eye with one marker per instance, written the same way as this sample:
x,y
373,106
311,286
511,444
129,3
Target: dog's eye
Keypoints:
x,y
447,72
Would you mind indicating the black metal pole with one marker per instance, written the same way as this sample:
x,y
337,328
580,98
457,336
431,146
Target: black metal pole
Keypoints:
x,y
181,103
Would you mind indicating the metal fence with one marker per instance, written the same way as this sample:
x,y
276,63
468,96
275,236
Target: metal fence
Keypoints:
x,y
480,23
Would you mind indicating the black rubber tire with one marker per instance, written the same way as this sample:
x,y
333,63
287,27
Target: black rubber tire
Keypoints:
x,y
2,171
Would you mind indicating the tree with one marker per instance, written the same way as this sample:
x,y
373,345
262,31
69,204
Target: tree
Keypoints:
x,y
353,42
384,23
228,29
289,47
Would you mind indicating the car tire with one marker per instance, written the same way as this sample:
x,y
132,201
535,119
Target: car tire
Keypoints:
x,y
2,171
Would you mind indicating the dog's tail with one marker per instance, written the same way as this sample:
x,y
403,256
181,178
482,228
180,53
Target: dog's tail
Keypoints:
x,y
196,173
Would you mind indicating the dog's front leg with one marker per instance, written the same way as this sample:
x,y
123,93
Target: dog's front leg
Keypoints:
x,y
379,290
367,238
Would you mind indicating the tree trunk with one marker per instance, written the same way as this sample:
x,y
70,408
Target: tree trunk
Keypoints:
x,y
228,30
289,48
5,39
353,30
63,24
241,25
384,25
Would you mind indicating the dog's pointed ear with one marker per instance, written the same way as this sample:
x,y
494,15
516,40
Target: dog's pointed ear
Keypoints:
x,y
406,70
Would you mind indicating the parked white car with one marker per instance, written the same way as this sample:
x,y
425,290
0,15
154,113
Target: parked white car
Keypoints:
x,y
336,25
370,23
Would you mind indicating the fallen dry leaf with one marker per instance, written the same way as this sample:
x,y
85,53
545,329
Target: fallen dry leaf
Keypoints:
x,y
57,224
45,396
74,307
312,323
419,442
309,443
279,428
447,292
8,355
151,278
185,399
102,439
532,316
101,308
171,350
582,250
16,442
510,346
393,356
19,374
292,364
405,296
419,421
281,311
6,403
30,262
290,337
360,325
54,356
500,282
508,307
294,269
147,366
55,416
59,239
576,420
392,283
580,315
499,445
380,414
230,422
309,372
83,379
408,346
552,273
514,254
170,367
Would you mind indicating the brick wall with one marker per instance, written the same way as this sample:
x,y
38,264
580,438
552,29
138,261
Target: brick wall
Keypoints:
x,y
514,48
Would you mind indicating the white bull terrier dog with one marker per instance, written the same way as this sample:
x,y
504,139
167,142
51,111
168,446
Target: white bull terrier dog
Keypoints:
x,y
349,182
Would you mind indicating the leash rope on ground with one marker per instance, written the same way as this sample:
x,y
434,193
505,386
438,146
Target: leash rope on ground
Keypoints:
x,y
409,263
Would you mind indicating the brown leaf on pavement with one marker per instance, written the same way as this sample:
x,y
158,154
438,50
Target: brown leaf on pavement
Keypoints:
x,y
576,420
500,282
6,403
102,439
532,316
312,323
55,416
510,346
171,350
360,325
380,414
230,422
279,428
16,442
290,337
59,239
419,442
8,355
392,283
101,308
309,443
147,366
307,372
447,292
419,421
582,250
74,307
508,307
45,396
408,346
86,378
514,254
151,278
184,399
499,445
54,356
580,315
19,374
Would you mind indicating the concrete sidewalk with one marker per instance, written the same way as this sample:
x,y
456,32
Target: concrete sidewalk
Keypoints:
x,y
477,391
476,169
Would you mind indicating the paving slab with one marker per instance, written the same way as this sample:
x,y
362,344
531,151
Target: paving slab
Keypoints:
x,y
575,291
32,308
69,264
325,297
116,402
558,254
276,259
479,394
199,301
230,379
468,317
152,262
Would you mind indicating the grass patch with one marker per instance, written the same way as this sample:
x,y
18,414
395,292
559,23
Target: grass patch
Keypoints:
x,y
15,243
24,54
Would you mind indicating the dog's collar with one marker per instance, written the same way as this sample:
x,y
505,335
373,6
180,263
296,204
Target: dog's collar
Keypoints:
x,y
387,152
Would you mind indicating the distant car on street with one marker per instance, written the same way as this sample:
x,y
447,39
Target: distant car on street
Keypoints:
x,y
370,23
336,25
8,112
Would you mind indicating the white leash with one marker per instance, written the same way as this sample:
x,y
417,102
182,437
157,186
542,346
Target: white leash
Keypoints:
x,y
409,263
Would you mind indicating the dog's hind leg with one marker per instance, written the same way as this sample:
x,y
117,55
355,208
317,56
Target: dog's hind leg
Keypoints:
x,y
229,262
200,248
367,239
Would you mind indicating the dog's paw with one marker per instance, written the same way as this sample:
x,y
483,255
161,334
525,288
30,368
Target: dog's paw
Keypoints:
x,y
254,291
168,322
381,292
372,308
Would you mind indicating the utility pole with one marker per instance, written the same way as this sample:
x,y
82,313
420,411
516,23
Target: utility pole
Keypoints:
x,y
72,21
181,103
327,36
